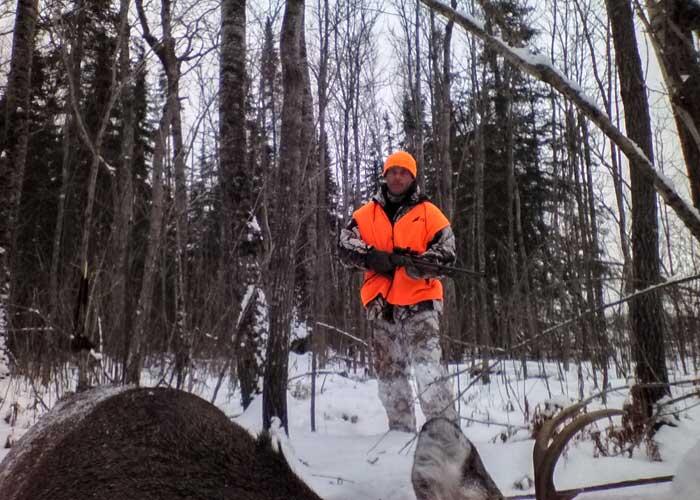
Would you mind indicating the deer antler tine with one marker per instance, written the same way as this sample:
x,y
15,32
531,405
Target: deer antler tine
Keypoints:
x,y
544,470
548,430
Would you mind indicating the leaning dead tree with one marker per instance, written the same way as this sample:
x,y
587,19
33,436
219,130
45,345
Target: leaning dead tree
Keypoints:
x,y
543,70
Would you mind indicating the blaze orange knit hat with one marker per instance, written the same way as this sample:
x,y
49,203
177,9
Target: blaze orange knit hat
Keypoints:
x,y
401,159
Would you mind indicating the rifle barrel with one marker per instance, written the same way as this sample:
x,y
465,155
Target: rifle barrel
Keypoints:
x,y
443,267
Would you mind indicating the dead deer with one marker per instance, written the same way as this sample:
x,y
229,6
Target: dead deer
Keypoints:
x,y
446,466
131,443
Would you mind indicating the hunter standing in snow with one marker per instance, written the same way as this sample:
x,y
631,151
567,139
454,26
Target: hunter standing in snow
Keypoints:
x,y
403,299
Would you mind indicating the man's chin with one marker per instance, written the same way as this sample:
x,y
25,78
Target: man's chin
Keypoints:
x,y
397,193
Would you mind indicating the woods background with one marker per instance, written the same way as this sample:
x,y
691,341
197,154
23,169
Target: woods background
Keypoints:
x,y
174,175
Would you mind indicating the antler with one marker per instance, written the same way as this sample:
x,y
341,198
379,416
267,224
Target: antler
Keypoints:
x,y
549,445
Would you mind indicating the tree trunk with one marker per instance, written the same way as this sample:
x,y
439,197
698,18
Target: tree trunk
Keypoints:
x,y
15,140
442,134
121,319
284,217
321,271
595,269
646,310
672,24
70,133
136,350
165,50
418,106
482,323
237,186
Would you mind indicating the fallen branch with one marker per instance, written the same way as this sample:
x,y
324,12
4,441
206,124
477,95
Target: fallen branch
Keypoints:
x,y
571,493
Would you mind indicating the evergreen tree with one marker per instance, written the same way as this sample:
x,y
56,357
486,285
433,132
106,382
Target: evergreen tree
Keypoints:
x,y
518,194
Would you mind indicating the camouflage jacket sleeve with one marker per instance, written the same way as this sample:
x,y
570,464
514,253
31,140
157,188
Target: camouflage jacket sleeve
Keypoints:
x,y
352,249
441,250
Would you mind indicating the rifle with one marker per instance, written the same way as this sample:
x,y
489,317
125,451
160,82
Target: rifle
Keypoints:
x,y
408,258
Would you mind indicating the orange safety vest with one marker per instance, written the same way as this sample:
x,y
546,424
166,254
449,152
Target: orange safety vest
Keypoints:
x,y
413,231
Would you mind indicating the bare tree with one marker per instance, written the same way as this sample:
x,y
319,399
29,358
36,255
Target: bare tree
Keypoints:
x,y
165,50
237,188
136,348
284,210
321,275
121,316
646,311
15,135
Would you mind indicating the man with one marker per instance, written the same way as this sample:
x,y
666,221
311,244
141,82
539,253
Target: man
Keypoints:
x,y
403,299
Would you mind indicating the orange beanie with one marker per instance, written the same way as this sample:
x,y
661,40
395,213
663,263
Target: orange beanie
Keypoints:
x,y
401,159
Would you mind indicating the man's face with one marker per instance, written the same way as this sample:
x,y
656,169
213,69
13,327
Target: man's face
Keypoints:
x,y
398,180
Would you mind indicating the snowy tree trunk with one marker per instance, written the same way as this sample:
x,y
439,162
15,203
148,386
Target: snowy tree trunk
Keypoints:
x,y
441,62
418,106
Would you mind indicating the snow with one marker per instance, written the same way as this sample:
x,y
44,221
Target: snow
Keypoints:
x,y
685,483
250,290
352,455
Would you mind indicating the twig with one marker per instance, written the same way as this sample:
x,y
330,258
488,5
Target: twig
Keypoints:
x,y
318,372
336,478
331,327
488,422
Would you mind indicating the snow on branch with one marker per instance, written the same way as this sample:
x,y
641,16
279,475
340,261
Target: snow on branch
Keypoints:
x,y
542,69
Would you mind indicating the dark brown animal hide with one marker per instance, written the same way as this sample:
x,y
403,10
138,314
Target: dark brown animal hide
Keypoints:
x,y
126,443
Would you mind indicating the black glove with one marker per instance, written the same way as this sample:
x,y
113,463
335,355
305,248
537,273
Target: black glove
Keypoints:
x,y
414,267
379,261
400,260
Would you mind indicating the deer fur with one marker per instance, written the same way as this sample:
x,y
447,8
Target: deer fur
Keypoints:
x,y
447,466
128,443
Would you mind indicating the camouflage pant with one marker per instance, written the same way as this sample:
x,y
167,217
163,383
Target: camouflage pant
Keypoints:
x,y
411,341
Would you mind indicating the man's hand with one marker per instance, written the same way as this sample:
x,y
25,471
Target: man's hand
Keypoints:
x,y
414,267
380,262
401,260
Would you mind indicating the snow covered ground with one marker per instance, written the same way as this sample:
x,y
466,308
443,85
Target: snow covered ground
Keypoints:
x,y
351,456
